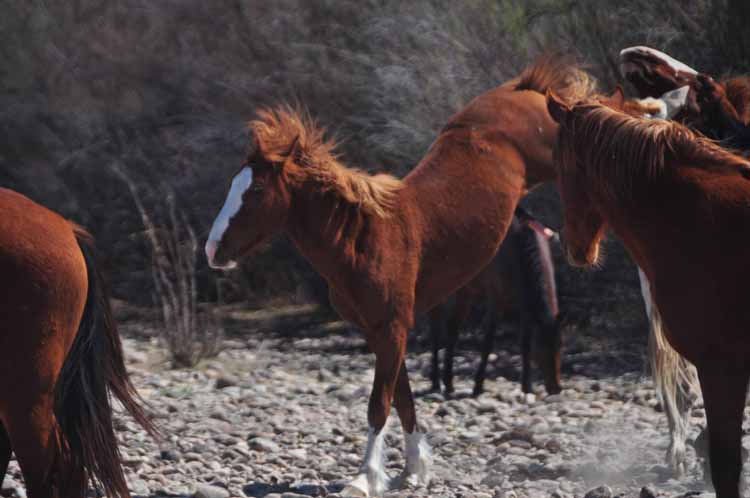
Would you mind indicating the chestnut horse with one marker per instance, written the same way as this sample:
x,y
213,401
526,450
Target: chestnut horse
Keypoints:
x,y
521,276
60,357
392,248
675,378
719,110
681,205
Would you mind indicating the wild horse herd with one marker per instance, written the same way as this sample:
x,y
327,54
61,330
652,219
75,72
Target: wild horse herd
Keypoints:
x,y
663,170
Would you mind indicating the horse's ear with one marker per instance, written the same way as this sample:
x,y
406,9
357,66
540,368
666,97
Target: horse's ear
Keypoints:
x,y
617,99
556,107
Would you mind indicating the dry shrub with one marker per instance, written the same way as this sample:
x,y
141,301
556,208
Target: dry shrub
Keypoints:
x,y
188,333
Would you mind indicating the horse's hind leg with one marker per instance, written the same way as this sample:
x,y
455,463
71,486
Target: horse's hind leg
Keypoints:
x,y
526,336
488,345
417,450
32,434
5,451
724,393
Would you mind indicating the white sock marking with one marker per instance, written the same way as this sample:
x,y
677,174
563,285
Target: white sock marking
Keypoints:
x,y
232,206
372,480
668,60
418,457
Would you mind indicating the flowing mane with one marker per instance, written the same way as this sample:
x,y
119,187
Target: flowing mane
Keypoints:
x,y
557,73
621,153
289,137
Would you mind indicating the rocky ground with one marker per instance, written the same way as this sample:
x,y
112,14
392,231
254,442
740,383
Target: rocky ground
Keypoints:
x,y
280,415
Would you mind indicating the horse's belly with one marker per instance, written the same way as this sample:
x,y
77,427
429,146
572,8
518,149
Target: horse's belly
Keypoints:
x,y
459,251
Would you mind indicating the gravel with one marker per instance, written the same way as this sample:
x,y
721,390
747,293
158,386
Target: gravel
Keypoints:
x,y
278,416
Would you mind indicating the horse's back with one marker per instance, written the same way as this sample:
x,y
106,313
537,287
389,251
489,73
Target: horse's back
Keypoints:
x,y
44,285
470,182
465,203
36,241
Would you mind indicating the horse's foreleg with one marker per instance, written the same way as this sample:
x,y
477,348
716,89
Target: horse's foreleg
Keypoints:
x,y
526,333
389,346
418,456
488,345
436,334
458,316
724,393
5,451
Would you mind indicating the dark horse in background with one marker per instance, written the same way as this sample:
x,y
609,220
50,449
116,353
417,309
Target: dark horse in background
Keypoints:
x,y
390,248
681,205
520,277
60,357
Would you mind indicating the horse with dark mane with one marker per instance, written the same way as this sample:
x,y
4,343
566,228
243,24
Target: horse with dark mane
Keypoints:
x,y
521,276
392,248
681,205
60,357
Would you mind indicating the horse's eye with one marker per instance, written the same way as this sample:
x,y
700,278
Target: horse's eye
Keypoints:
x,y
256,188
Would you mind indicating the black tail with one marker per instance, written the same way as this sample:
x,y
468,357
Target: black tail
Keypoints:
x,y
93,371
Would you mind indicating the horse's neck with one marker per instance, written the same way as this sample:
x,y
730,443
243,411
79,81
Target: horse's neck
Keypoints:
x,y
326,229
538,155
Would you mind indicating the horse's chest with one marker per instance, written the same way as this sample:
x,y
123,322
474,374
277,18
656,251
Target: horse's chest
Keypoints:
x,y
702,326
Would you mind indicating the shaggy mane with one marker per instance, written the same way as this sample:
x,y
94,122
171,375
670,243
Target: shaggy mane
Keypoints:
x,y
621,153
287,131
559,74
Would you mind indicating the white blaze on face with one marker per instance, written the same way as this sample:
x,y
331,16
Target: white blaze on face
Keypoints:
x,y
669,61
232,205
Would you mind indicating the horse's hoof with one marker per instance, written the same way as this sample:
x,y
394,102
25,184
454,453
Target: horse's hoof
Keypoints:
x,y
478,391
358,488
676,459
366,486
529,398
411,480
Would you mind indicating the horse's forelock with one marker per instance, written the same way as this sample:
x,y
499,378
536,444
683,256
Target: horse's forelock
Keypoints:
x,y
289,137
